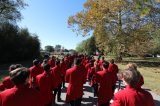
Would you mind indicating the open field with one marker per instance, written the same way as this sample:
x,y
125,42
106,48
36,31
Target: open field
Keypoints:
x,y
151,77
150,69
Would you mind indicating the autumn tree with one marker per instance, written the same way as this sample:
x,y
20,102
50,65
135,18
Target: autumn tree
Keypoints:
x,y
114,23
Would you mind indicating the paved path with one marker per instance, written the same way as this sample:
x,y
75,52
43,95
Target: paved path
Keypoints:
x,y
88,99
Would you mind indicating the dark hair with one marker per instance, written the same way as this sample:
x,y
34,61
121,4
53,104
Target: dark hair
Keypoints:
x,y
105,64
91,61
19,75
45,61
46,67
53,57
57,62
35,62
12,67
112,61
131,76
77,61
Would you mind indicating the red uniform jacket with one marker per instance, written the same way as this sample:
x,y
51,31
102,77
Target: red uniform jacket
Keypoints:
x,y
91,75
57,74
66,61
46,85
91,72
113,68
51,62
35,70
76,78
105,80
141,82
100,63
20,96
63,68
7,83
1,87
132,97
87,67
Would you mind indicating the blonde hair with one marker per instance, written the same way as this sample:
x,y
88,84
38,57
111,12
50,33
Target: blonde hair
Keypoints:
x,y
131,76
131,66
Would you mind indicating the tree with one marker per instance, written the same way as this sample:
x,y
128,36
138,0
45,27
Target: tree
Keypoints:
x,y
114,21
17,44
49,48
87,46
58,48
10,10
156,40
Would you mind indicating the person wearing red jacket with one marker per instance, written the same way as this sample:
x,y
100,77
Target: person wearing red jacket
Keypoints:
x,y
131,95
101,62
45,61
35,70
88,67
92,78
46,85
76,78
6,82
134,67
20,94
67,61
105,81
63,69
113,68
51,61
57,74
2,87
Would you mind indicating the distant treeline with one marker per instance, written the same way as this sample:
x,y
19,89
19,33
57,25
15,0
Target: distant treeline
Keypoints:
x,y
17,44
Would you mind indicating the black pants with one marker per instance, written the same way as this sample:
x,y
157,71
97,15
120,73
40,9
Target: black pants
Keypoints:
x,y
105,104
58,92
95,88
76,102
113,88
63,83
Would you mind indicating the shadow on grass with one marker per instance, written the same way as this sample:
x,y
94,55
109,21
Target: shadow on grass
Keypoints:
x,y
157,103
143,63
146,89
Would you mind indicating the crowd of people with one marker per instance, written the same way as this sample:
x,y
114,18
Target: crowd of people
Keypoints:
x,y
41,84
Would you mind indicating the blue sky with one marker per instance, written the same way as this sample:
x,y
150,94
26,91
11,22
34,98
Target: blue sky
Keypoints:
x,y
48,19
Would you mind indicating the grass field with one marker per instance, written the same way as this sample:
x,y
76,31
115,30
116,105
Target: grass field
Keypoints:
x,y
151,77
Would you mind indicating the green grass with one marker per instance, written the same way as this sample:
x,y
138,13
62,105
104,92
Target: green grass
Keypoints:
x,y
151,77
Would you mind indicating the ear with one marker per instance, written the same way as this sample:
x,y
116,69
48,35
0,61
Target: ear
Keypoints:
x,y
124,82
